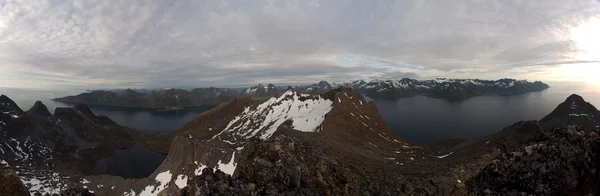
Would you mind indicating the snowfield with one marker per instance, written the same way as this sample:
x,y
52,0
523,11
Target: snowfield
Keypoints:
x,y
306,113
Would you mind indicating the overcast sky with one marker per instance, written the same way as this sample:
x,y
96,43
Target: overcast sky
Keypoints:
x,y
195,43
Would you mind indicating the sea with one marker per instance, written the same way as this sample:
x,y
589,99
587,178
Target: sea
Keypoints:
x,y
418,119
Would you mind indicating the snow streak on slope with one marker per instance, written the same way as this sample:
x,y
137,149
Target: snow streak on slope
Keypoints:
x,y
162,182
306,112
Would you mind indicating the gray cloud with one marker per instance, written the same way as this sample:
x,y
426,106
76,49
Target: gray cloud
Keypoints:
x,y
218,43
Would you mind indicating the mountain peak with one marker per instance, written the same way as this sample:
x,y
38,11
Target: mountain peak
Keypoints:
x,y
575,98
7,104
39,109
323,82
573,111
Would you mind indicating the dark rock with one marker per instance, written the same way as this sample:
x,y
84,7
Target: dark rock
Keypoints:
x,y
7,104
10,184
560,162
39,109
76,192
573,111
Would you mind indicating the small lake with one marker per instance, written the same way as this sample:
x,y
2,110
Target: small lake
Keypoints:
x,y
136,162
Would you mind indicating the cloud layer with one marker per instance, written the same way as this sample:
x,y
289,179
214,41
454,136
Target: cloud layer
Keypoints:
x,y
190,43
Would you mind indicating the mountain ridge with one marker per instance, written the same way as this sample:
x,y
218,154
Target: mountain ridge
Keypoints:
x,y
450,89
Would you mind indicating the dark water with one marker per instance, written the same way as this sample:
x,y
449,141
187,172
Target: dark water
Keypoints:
x,y
149,119
422,119
136,162
137,118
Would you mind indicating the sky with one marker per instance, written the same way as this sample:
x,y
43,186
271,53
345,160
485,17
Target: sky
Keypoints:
x,y
63,44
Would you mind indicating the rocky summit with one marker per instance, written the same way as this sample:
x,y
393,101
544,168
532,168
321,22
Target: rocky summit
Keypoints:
x,y
574,110
299,143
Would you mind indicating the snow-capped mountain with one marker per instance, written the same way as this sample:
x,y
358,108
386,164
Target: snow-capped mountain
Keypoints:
x,y
217,139
454,89
321,87
261,91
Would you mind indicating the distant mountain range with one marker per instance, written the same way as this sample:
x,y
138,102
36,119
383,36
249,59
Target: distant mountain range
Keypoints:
x,y
451,89
332,143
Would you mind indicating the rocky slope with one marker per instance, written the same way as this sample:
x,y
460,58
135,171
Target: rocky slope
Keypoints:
x,y
451,89
49,152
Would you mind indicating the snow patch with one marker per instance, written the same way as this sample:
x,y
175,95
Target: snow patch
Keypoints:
x,y
444,156
307,115
386,138
229,167
181,181
162,179
84,181
586,115
198,171
44,185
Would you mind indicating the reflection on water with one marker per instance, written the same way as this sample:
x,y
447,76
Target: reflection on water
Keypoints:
x,y
136,162
422,119
149,119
